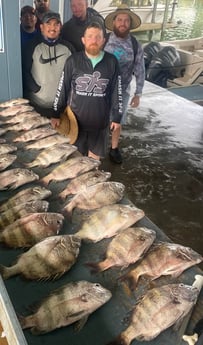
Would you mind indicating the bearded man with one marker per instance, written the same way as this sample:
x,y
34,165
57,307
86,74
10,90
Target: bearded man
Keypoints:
x,y
91,86
129,54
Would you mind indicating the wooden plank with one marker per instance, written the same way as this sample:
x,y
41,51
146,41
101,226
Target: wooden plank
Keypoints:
x,y
9,320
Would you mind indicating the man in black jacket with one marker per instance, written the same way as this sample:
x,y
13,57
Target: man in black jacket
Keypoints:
x,y
91,85
73,29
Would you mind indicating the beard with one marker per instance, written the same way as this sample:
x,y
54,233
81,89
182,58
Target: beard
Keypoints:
x,y
93,50
122,34
41,9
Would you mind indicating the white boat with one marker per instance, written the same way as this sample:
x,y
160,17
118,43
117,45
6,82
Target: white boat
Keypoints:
x,y
145,9
191,54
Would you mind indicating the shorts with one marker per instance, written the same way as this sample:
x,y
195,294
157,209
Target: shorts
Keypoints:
x,y
95,141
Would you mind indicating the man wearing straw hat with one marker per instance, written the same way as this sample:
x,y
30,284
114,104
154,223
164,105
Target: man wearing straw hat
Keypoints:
x,y
129,53
91,85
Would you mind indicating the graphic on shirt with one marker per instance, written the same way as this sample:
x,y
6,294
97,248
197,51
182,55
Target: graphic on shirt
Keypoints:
x,y
45,61
91,85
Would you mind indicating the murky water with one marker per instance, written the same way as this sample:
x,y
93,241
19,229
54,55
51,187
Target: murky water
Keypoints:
x,y
163,167
189,15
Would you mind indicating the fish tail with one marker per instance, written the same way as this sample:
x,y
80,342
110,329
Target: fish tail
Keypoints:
x,y
26,321
67,211
130,279
94,267
63,195
118,341
45,180
5,272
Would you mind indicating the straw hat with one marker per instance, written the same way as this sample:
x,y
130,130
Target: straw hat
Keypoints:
x,y
135,19
68,125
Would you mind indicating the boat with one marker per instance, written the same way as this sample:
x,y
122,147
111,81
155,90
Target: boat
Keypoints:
x,y
147,10
175,64
191,55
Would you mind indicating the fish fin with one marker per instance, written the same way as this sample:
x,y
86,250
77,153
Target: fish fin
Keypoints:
x,y
94,267
80,324
118,341
4,272
67,211
45,180
129,279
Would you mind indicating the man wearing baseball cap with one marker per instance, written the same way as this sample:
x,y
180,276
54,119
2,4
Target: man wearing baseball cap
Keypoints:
x,y
43,60
28,20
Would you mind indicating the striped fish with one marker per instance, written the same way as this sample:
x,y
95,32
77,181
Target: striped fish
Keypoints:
x,y
35,134
30,229
6,160
50,258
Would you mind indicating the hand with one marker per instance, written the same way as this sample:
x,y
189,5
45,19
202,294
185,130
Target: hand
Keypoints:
x,y
55,122
115,126
135,101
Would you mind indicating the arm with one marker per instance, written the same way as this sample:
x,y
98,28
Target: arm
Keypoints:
x,y
29,84
116,96
139,71
62,93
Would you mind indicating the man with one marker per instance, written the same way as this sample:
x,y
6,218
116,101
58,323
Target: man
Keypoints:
x,y
73,29
130,56
41,7
28,20
43,60
91,85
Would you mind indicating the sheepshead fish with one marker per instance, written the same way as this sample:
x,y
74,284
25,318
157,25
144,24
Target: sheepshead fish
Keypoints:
x,y
79,300
22,117
6,160
3,131
159,309
30,124
13,102
16,109
7,148
25,195
71,168
53,154
30,229
98,195
163,258
14,178
107,221
127,247
45,142
35,134
83,181
50,258
9,216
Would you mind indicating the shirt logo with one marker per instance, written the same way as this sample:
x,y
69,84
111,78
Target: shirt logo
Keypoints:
x,y
45,61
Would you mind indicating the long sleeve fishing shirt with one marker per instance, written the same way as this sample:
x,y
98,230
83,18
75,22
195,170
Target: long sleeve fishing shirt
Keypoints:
x,y
130,62
90,91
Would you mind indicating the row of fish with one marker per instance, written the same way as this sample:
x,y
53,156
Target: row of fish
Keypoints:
x,y
52,254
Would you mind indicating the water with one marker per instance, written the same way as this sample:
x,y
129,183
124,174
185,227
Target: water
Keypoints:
x,y
189,13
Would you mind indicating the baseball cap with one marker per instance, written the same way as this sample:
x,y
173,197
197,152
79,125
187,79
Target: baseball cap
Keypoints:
x,y
51,15
27,9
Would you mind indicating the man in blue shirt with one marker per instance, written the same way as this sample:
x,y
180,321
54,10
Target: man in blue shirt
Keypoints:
x,y
27,27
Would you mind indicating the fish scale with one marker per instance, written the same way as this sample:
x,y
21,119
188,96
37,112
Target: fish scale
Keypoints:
x,y
53,154
48,259
175,259
32,228
10,215
25,195
107,221
159,309
72,302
